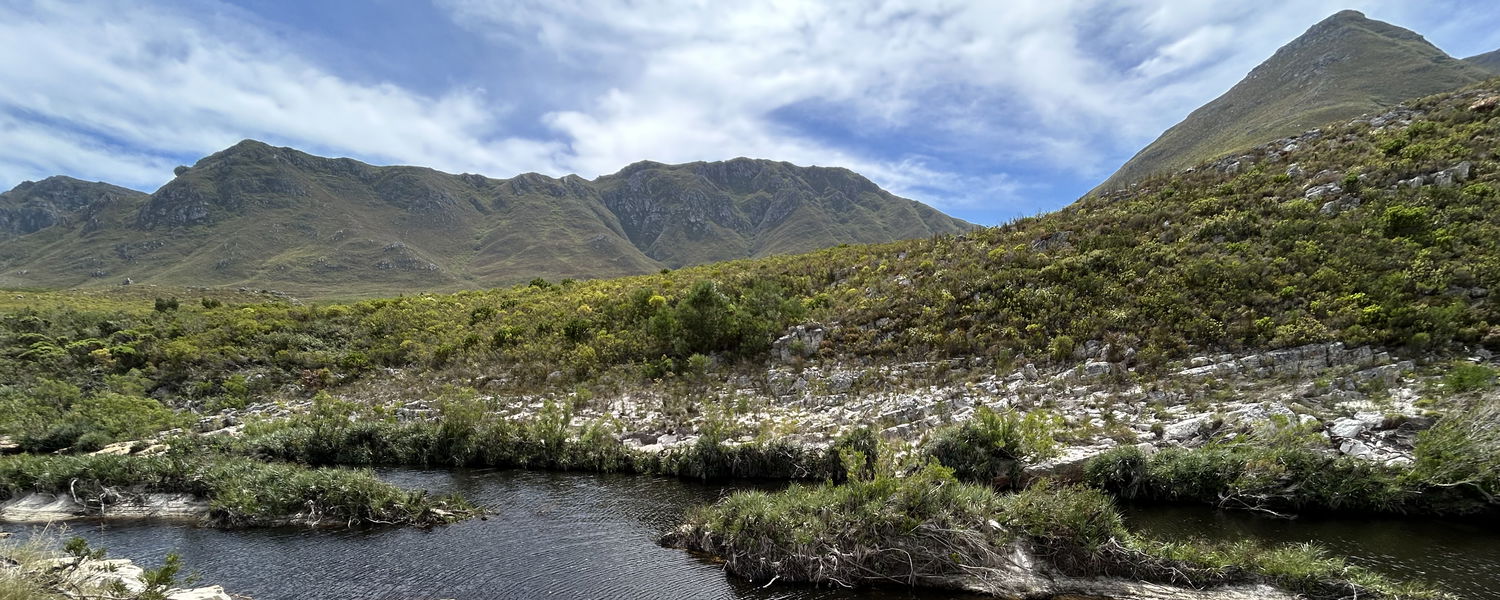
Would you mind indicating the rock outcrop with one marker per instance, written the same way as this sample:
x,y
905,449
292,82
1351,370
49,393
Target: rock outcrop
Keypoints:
x,y
104,573
799,342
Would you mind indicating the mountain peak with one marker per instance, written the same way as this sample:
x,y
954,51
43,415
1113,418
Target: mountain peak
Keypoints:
x,y
1344,66
36,205
1347,14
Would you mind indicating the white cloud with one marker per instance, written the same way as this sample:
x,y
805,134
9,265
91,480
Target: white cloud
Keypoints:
x,y
160,85
965,104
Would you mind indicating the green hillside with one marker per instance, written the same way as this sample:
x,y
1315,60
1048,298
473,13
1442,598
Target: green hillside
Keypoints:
x,y
264,217
1342,67
1383,235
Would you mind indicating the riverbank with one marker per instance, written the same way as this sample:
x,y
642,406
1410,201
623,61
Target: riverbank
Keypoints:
x,y
217,490
930,530
41,568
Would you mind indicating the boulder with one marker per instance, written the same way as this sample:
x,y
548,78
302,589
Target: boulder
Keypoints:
x,y
1485,104
1094,369
1356,449
1183,430
1051,241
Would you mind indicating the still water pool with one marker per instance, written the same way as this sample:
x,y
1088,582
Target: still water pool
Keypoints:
x,y
569,535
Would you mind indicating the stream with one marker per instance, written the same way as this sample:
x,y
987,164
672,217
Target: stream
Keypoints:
x,y
570,535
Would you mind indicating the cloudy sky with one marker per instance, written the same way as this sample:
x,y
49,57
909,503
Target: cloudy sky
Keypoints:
x,y
985,109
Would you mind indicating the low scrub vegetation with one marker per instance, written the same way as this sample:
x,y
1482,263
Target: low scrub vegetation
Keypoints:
x,y
466,433
1288,468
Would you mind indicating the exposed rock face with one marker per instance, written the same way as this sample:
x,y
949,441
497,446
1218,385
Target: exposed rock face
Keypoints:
x,y
799,342
1292,361
34,206
40,508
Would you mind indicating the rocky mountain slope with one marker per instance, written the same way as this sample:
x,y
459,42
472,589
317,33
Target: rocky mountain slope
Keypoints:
x,y
1342,67
58,201
259,216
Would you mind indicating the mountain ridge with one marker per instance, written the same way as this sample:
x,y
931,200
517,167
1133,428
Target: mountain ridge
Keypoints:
x,y
1489,61
258,215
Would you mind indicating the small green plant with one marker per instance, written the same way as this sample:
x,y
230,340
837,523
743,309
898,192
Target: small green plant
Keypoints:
x,y
1465,377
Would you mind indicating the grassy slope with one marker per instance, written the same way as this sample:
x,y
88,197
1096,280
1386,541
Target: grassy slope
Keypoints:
x,y
1342,67
1489,61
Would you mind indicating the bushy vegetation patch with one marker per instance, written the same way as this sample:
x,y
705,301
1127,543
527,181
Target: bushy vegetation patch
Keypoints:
x,y
54,415
240,491
1292,470
931,529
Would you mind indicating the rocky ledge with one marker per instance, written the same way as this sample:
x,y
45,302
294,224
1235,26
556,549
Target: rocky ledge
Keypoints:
x,y
41,507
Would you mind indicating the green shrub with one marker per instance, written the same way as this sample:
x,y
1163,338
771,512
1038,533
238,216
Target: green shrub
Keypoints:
x,y
1465,377
993,445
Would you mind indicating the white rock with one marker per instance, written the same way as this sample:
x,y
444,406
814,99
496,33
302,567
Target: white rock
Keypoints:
x,y
1347,428
1182,430
1356,449
206,593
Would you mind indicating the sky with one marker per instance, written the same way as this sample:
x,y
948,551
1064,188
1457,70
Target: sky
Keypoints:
x,y
987,110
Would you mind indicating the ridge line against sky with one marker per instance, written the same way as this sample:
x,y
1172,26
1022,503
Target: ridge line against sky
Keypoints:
x,y
986,110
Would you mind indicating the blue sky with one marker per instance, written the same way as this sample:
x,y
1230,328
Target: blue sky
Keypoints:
x,y
987,110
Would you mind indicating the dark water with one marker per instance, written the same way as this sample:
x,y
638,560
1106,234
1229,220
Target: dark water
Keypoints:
x,y
551,535
555,535
1460,556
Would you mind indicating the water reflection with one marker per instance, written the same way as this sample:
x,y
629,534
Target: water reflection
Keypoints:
x,y
550,535
569,535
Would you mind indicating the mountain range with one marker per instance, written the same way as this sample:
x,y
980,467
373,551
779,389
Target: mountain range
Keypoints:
x,y
261,216
1344,66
